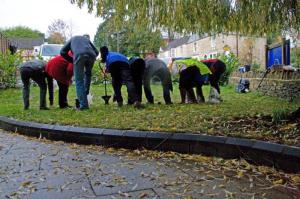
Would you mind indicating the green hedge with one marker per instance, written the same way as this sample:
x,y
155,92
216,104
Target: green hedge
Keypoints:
x,y
8,69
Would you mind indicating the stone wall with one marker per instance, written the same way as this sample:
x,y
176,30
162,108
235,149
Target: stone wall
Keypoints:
x,y
282,84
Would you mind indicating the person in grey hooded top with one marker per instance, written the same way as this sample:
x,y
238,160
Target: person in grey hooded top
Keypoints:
x,y
35,70
84,56
156,67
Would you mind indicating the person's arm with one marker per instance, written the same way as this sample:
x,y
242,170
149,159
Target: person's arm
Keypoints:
x,y
50,88
95,49
64,52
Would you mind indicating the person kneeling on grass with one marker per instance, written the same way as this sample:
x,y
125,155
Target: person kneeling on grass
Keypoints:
x,y
62,71
35,70
118,66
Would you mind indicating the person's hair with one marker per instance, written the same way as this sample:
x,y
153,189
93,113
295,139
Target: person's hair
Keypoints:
x,y
104,53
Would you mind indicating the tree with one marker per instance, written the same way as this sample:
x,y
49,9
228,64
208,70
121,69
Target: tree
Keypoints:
x,y
211,16
57,31
129,39
22,32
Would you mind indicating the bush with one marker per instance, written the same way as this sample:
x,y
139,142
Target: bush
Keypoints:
x,y
231,62
295,57
278,115
8,69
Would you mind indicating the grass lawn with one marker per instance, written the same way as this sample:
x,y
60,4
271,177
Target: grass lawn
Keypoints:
x,y
240,115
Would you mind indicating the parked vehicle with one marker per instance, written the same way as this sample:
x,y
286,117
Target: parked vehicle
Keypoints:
x,y
47,51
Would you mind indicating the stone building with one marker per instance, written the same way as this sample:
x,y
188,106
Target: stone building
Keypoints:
x,y
249,50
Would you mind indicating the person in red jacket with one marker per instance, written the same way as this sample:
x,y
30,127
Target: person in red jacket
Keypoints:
x,y
62,71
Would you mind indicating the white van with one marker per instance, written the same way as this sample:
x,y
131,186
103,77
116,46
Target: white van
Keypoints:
x,y
47,51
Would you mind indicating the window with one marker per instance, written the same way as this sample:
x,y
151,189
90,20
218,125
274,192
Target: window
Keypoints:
x,y
172,52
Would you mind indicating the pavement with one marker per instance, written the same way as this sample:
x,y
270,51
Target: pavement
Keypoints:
x,y
39,168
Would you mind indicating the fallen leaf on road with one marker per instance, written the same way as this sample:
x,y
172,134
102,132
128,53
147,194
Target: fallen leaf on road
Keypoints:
x,y
296,179
143,195
278,182
26,183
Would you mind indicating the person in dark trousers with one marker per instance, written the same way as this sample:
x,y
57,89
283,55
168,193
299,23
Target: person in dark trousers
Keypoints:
x,y
217,67
62,71
137,67
192,73
156,67
84,56
118,66
35,70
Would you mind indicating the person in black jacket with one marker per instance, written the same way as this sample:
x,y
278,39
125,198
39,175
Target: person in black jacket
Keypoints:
x,y
84,56
118,66
35,70
137,67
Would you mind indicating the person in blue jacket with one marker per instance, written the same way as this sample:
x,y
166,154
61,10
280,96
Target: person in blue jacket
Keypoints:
x,y
84,56
118,66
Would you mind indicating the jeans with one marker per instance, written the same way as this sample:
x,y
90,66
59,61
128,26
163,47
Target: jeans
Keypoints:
x,y
120,73
83,65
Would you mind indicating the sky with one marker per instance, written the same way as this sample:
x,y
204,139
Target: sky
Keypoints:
x,y
39,14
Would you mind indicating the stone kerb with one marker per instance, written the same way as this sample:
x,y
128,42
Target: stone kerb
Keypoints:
x,y
259,152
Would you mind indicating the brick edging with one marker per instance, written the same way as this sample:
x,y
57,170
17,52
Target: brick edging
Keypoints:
x,y
279,156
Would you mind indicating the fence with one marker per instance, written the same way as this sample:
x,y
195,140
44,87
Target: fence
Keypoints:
x,y
4,44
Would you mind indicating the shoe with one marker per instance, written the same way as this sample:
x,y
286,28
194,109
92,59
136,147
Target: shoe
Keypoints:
x,y
120,104
66,107
168,103
138,105
81,109
44,108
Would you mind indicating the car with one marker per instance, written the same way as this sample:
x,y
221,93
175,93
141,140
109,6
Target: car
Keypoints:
x,y
47,51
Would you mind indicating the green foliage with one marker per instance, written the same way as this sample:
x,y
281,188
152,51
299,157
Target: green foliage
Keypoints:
x,y
255,66
22,32
245,16
130,39
8,67
295,57
97,74
231,62
278,115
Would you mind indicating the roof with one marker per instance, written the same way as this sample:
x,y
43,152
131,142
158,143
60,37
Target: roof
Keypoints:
x,y
196,37
27,43
177,42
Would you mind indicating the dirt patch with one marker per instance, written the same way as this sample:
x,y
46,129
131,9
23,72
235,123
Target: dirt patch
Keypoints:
x,y
262,128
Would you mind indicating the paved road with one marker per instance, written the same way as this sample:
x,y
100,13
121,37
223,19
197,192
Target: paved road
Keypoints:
x,y
33,168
